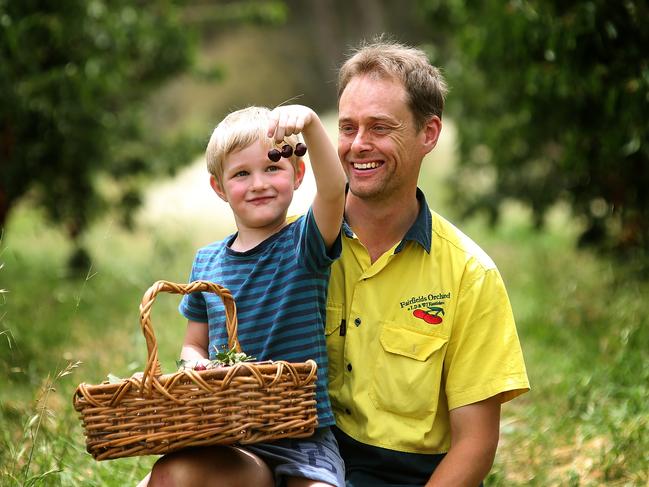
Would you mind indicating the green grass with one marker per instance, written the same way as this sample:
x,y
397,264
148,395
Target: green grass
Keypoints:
x,y
50,321
582,321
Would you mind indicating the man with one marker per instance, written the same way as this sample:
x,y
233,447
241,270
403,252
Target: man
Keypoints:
x,y
420,334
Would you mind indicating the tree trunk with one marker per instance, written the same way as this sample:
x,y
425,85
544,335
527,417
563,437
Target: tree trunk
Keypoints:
x,y
4,209
6,148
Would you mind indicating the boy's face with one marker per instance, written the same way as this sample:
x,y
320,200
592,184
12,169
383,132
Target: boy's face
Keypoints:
x,y
258,190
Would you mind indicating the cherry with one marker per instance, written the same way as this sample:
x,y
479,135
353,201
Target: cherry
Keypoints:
x,y
287,151
274,155
300,149
432,319
200,367
427,317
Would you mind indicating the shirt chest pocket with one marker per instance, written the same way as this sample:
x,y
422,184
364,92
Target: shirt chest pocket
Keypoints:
x,y
408,371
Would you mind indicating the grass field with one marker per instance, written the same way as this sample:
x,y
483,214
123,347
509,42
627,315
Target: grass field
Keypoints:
x,y
583,323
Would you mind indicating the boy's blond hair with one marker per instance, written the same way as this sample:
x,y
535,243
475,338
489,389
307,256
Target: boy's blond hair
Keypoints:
x,y
237,131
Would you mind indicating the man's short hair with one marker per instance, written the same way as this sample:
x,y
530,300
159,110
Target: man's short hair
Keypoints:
x,y
237,131
423,82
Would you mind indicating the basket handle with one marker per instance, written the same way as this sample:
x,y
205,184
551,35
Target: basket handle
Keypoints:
x,y
153,368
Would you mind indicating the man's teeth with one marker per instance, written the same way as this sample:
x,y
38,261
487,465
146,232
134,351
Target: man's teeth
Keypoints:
x,y
366,165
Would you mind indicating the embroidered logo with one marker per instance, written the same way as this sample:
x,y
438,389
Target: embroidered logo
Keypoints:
x,y
428,308
430,315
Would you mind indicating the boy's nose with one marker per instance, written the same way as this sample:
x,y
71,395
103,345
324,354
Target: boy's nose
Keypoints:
x,y
258,182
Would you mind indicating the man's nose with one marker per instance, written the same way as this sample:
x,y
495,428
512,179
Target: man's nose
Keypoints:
x,y
361,141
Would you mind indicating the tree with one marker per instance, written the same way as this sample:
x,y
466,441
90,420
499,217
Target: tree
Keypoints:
x,y
74,75
551,102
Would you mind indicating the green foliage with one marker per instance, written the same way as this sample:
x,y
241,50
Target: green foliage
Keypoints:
x,y
56,332
74,77
583,324
551,98
584,328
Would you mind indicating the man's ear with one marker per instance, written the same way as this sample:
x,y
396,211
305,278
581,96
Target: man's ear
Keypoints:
x,y
299,173
431,131
217,188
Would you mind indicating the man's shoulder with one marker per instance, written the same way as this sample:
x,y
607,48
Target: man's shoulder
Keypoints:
x,y
457,243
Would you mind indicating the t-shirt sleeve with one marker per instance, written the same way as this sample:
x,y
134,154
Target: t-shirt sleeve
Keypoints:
x,y
484,356
193,306
310,246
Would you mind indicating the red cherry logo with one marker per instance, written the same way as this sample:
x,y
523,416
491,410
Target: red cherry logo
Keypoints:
x,y
431,319
419,313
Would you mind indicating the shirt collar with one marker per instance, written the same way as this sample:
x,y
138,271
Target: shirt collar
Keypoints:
x,y
420,231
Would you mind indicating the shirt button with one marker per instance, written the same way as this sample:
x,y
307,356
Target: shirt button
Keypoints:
x,y
349,367
357,321
348,411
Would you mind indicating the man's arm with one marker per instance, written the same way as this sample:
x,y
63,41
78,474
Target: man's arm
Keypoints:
x,y
475,430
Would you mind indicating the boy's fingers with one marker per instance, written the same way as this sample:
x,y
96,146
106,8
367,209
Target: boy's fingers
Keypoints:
x,y
272,124
285,121
291,124
280,131
299,125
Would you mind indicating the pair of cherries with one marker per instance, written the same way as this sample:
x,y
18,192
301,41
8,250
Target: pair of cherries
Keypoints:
x,y
287,151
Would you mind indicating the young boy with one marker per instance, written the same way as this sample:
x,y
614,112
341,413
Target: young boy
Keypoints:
x,y
277,272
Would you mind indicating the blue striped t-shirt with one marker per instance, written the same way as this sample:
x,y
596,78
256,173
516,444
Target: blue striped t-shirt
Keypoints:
x,y
280,289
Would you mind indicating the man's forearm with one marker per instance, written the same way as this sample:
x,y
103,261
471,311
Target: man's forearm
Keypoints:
x,y
475,431
465,465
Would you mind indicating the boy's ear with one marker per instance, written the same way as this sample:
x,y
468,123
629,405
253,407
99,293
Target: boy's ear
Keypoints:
x,y
299,173
217,188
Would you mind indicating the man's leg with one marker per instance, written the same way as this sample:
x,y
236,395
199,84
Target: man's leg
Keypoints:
x,y
210,466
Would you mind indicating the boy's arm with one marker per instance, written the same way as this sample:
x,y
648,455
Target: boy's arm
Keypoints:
x,y
196,341
329,202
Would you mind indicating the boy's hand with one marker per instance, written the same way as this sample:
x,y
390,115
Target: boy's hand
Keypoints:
x,y
288,120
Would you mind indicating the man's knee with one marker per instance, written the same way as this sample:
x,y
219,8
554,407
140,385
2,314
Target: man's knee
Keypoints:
x,y
171,471
220,466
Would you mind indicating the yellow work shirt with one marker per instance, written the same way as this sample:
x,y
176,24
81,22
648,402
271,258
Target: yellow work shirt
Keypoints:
x,y
426,328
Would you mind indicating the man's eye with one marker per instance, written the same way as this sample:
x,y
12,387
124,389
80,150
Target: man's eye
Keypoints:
x,y
381,128
346,129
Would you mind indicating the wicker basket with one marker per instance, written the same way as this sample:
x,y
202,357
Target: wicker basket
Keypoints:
x,y
248,402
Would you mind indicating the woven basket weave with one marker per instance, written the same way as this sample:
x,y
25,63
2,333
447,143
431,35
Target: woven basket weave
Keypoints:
x,y
249,402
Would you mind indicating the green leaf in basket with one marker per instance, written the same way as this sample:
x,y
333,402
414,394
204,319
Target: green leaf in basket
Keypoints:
x,y
230,357
113,379
180,363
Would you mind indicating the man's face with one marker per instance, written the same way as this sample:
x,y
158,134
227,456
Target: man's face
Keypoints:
x,y
378,143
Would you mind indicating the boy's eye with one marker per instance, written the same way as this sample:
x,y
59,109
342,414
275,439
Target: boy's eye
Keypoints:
x,y
240,174
272,168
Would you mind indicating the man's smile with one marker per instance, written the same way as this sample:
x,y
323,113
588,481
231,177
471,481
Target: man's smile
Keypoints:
x,y
366,165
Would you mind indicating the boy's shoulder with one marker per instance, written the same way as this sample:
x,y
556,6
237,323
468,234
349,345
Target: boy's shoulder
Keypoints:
x,y
214,247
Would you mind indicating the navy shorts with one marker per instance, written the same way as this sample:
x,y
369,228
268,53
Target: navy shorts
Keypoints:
x,y
314,458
